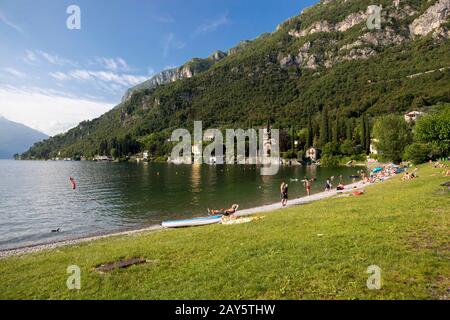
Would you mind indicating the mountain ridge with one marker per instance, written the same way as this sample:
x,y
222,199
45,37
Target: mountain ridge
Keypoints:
x,y
326,56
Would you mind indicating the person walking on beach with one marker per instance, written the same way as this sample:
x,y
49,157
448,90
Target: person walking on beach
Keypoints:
x,y
284,193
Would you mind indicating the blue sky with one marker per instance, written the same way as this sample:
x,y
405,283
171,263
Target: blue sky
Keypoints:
x,y
51,77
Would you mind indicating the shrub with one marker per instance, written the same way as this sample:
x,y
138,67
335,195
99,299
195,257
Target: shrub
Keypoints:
x,y
418,152
330,161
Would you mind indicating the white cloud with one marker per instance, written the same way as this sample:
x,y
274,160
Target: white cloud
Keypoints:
x,y
30,57
46,110
211,26
33,57
59,76
170,42
15,73
103,76
54,58
113,64
10,24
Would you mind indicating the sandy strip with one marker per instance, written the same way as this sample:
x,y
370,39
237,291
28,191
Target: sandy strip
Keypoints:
x,y
246,212
304,200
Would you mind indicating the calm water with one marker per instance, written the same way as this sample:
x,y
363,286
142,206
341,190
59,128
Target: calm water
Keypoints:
x,y
36,196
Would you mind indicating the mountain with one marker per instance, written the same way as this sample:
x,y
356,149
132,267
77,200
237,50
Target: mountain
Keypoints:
x,y
326,58
16,138
188,70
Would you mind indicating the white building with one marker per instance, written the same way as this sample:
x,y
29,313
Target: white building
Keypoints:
x,y
413,116
373,149
313,154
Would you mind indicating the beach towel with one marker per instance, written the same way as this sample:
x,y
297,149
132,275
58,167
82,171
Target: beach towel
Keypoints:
x,y
240,220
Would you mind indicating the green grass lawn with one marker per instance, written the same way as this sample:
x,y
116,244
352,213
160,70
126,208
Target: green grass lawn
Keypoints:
x,y
401,226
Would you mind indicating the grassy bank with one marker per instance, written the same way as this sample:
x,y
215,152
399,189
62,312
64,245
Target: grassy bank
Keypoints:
x,y
320,250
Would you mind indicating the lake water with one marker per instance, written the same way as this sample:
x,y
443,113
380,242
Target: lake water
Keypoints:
x,y
37,196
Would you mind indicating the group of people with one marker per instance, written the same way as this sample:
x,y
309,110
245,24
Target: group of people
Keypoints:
x,y
410,176
438,164
307,183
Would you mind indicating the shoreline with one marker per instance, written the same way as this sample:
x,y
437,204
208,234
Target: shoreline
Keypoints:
x,y
241,213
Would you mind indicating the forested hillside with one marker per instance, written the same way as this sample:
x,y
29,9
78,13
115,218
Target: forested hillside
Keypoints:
x,y
321,66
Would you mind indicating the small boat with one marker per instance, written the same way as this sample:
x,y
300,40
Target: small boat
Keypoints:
x,y
192,222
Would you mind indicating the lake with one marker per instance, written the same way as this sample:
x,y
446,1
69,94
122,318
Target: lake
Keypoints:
x,y
37,196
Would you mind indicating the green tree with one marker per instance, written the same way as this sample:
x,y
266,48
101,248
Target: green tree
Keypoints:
x,y
113,152
325,127
346,148
310,134
393,135
418,152
365,134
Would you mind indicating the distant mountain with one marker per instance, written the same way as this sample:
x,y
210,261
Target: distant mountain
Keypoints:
x,y
326,58
16,138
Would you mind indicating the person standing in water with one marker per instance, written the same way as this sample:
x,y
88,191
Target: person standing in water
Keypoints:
x,y
307,186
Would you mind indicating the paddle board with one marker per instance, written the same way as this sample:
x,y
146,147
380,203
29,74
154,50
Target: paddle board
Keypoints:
x,y
191,222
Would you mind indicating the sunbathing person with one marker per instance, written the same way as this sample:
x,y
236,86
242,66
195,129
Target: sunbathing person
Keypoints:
x,y
227,213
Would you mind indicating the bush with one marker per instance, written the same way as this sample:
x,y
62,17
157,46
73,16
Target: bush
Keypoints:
x,y
330,161
418,152
291,154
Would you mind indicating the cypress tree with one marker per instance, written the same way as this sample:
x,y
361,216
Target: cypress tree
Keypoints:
x,y
324,128
310,135
367,136
363,133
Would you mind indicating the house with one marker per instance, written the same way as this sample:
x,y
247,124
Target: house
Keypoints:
x,y
102,158
373,149
313,154
413,116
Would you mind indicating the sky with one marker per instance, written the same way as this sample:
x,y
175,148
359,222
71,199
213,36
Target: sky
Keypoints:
x,y
52,77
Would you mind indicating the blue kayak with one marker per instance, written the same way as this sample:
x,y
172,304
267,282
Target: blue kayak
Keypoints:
x,y
192,222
